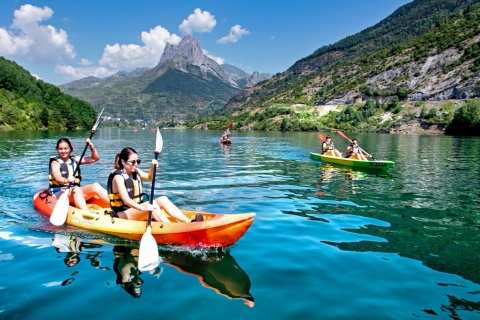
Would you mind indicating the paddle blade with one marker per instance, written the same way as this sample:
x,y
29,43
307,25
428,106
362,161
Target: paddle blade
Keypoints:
x,y
343,135
60,212
98,120
322,138
148,257
158,142
230,125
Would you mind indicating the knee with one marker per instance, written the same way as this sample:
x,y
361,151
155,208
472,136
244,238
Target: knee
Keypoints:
x,y
97,187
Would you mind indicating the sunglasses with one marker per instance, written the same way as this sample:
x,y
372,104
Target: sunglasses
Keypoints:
x,y
134,162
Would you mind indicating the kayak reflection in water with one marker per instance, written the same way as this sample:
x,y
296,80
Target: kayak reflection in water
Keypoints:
x,y
125,267
214,270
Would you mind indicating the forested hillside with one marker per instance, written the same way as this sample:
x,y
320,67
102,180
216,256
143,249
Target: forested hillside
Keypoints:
x,y
417,66
30,104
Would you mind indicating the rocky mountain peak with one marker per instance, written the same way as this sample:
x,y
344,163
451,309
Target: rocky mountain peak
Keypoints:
x,y
188,48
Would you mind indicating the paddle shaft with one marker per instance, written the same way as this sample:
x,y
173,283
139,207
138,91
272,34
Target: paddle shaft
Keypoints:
x,y
92,132
149,223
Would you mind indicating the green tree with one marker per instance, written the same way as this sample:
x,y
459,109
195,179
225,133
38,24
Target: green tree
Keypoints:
x,y
44,116
466,120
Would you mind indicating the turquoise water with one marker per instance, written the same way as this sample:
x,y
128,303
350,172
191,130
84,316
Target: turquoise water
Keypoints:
x,y
327,242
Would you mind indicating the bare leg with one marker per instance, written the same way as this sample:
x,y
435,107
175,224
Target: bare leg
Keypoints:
x,y
95,189
78,198
165,204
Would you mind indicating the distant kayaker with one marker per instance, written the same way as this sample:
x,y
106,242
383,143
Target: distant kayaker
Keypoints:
x,y
225,136
125,191
328,149
354,151
61,176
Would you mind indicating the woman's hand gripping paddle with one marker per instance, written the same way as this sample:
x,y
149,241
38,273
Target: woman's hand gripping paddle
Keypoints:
x,y
60,212
344,136
148,257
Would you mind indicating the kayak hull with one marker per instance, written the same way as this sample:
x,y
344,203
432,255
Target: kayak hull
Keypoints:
x,y
217,230
353,163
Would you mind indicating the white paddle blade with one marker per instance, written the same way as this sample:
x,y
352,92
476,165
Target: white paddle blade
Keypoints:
x,y
148,257
60,212
158,142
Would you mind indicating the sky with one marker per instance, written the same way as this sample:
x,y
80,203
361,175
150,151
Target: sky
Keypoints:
x,y
59,41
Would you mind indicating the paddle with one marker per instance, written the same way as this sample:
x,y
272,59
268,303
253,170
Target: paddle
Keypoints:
x,y
60,212
322,138
148,257
343,135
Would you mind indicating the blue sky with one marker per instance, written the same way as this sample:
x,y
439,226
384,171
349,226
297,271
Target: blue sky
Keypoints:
x,y
63,40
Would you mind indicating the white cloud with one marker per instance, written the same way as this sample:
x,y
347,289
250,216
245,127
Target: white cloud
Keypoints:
x,y
125,57
236,33
73,73
85,62
218,60
199,21
29,38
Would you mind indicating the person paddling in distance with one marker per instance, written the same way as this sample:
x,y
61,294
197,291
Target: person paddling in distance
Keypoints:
x,y
225,136
328,149
354,151
125,191
62,168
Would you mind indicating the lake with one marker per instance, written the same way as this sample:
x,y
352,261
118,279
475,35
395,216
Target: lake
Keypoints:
x,y
327,242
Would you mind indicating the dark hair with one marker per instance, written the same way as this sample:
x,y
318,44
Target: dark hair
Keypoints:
x,y
328,137
64,140
71,259
123,155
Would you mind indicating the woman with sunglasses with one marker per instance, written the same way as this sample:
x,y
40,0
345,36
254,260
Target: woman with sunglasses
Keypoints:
x,y
62,168
125,191
355,152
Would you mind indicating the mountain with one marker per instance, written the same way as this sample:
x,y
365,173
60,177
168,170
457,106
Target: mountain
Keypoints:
x,y
417,71
184,84
417,53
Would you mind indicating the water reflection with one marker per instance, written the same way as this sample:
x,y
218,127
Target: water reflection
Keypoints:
x,y
215,269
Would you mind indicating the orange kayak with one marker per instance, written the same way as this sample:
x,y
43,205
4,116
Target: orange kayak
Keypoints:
x,y
217,230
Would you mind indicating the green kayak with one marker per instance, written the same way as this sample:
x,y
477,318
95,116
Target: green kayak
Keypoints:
x,y
373,164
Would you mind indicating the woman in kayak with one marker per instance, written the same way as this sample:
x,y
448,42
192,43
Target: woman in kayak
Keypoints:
x,y
354,151
328,149
125,191
62,168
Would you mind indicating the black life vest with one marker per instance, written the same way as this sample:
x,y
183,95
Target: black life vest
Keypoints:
x,y
134,187
351,150
327,147
65,169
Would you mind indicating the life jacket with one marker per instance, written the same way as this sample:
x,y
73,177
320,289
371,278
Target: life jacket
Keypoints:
x,y
351,150
134,187
66,171
327,147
